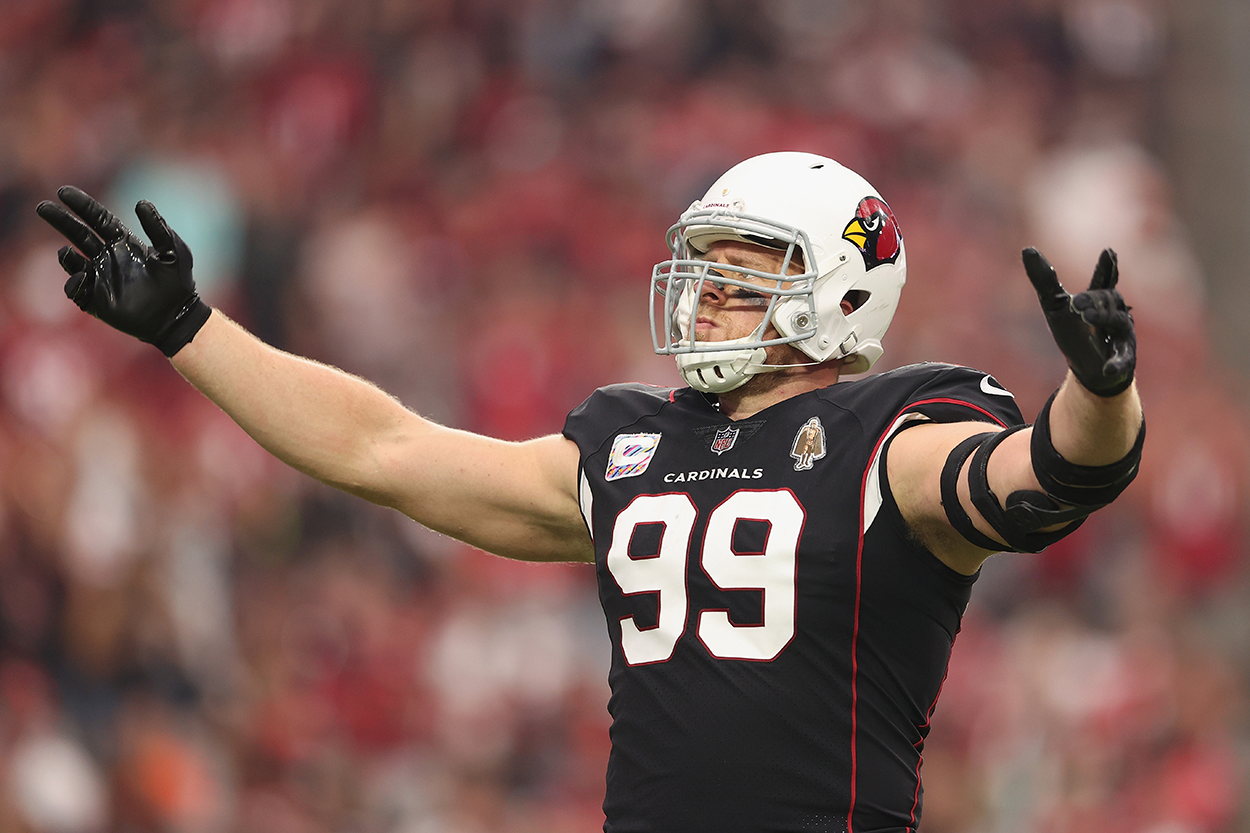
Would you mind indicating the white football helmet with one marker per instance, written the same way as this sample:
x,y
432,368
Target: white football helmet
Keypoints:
x,y
823,217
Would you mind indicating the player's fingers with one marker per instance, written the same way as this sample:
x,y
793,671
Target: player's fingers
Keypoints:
x,y
1121,362
1118,326
102,221
155,227
73,229
78,289
1107,272
71,261
1042,275
1104,309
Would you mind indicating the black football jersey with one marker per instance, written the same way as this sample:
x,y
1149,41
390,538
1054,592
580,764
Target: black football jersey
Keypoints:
x,y
778,638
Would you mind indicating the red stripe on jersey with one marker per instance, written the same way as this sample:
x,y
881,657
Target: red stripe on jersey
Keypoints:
x,y
859,560
915,804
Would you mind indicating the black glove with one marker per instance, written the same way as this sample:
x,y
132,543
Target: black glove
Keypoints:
x,y
1093,328
144,291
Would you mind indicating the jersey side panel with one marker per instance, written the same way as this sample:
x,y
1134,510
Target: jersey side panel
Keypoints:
x,y
910,605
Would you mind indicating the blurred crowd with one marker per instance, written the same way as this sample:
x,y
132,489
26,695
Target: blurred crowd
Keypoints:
x,y
462,200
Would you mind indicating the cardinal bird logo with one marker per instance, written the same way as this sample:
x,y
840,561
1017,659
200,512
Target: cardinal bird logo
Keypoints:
x,y
874,231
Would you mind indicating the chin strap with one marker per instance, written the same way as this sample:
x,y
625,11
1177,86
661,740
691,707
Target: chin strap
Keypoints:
x,y
1071,492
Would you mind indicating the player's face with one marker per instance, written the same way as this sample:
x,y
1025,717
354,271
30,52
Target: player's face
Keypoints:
x,y
728,312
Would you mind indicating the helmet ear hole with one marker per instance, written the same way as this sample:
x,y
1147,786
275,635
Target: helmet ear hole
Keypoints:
x,y
856,298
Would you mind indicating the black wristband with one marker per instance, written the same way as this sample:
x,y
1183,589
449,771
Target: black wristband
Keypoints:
x,y
182,329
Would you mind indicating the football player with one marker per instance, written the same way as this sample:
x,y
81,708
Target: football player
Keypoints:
x,y
783,553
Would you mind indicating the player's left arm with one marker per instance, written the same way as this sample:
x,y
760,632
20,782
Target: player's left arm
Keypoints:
x,y
969,490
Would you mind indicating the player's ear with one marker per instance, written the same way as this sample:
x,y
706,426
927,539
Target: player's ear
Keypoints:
x,y
847,307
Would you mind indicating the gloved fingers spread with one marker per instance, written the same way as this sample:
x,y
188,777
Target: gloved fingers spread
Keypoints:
x,y
1107,272
71,228
1042,275
157,230
71,261
79,290
102,221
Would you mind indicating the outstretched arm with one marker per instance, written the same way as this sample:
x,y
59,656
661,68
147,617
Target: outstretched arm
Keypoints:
x,y
514,499
1079,455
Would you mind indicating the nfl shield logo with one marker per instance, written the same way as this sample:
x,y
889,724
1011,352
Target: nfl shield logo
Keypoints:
x,y
724,439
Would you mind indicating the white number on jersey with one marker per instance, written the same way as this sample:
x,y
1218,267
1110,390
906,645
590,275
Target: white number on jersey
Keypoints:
x,y
771,571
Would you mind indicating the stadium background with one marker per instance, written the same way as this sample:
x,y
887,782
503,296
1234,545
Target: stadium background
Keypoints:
x,y
462,200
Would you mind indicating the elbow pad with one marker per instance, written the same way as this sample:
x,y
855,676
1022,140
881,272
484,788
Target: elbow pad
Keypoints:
x,y
1070,493
1025,514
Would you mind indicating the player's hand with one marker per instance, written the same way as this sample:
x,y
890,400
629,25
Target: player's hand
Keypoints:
x,y
1093,328
144,291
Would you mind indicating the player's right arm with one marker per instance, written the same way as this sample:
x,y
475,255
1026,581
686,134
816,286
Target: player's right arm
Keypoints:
x,y
514,499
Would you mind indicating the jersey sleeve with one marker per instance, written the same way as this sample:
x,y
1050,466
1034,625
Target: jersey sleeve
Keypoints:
x,y
609,410
949,393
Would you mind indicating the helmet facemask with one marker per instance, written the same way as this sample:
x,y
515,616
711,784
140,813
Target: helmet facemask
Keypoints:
x,y
678,284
